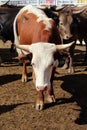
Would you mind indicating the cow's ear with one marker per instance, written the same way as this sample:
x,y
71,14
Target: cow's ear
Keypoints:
x,y
64,46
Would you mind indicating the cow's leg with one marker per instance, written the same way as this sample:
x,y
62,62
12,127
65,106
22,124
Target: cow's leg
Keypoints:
x,y
40,100
50,91
71,68
34,78
69,59
23,59
12,49
66,64
70,65
51,97
24,72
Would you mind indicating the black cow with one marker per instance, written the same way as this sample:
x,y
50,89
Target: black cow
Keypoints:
x,y
79,31
7,15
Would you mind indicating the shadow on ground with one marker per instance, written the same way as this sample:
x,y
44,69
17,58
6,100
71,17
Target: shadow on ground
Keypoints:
x,y
7,108
11,77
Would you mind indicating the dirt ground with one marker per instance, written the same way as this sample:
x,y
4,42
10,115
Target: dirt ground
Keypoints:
x,y
17,99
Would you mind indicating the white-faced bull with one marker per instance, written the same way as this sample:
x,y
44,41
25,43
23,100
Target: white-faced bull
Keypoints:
x,y
70,30
44,64
35,33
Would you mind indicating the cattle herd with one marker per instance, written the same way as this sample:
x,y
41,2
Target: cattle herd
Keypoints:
x,y
43,34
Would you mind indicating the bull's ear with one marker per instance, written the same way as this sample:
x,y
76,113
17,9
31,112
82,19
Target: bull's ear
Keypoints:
x,y
64,46
23,47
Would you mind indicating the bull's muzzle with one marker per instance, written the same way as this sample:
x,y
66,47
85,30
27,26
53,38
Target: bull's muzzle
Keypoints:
x,y
41,88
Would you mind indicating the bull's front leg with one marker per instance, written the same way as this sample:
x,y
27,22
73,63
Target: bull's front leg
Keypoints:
x,y
51,96
50,91
68,63
23,60
71,55
69,59
24,72
40,100
33,77
70,68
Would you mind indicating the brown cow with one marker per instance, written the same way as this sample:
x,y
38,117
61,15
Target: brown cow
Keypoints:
x,y
38,34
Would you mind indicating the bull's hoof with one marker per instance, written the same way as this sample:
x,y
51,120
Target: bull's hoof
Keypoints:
x,y
51,99
24,79
39,106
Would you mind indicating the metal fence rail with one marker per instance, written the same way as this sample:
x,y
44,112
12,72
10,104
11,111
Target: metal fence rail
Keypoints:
x,y
53,2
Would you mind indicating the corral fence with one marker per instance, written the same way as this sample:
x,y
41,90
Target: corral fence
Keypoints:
x,y
53,2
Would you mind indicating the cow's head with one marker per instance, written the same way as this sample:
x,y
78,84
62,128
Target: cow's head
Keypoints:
x,y
65,21
43,61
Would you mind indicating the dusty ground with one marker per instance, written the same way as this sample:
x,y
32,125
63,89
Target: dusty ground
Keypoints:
x,y
17,99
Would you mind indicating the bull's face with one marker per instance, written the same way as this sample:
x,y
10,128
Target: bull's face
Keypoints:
x,y
65,21
43,63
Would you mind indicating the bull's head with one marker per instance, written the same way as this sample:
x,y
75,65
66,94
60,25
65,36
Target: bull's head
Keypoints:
x,y
43,60
66,18
65,21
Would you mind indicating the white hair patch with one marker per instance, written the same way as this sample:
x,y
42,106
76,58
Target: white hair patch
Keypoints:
x,y
39,13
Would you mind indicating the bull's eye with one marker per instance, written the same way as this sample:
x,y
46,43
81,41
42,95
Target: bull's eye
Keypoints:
x,y
32,64
61,23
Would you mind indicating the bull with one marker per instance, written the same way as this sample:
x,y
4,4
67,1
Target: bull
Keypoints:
x,y
70,28
35,33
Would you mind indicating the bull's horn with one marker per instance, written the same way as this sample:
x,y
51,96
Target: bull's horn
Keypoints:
x,y
78,11
45,5
56,13
23,47
3,3
59,8
64,46
79,7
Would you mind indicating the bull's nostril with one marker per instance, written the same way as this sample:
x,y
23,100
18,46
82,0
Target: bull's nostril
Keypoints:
x,y
67,37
